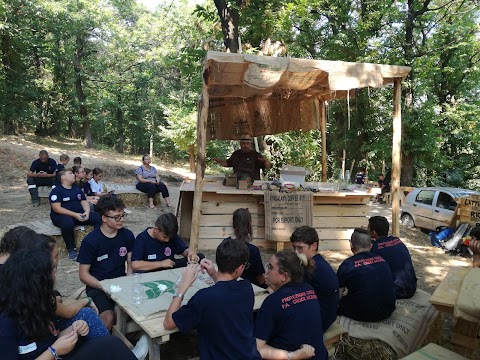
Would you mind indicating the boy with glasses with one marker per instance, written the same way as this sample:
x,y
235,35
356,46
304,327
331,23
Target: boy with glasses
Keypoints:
x,y
223,313
318,273
103,254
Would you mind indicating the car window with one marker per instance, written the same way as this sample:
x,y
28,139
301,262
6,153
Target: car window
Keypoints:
x,y
445,201
425,197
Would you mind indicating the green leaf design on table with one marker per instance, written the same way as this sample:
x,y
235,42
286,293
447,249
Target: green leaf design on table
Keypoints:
x,y
154,292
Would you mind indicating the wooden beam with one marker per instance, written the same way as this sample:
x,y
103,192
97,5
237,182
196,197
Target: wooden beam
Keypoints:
x,y
200,166
344,158
324,140
396,150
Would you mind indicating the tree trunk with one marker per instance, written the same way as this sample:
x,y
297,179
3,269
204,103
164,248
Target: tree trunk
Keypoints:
x,y
119,114
8,56
229,18
87,136
406,178
71,128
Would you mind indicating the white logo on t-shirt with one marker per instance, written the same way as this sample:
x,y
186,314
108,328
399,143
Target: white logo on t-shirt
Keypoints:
x,y
103,257
53,197
152,257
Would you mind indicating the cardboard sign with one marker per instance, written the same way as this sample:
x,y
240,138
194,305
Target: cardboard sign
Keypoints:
x,y
284,212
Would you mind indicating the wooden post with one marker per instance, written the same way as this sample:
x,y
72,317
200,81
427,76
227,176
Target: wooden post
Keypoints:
x,y
383,167
344,158
200,167
324,140
396,149
366,169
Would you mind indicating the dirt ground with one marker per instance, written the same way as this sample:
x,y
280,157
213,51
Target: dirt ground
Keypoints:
x,y
431,264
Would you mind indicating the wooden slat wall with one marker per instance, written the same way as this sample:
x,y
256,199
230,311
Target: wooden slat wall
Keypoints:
x,y
333,222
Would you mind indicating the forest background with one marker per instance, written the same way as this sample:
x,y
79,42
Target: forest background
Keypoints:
x,y
116,74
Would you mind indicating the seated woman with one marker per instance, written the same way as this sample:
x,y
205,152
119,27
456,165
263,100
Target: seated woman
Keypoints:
x,y
26,322
96,183
242,227
289,323
149,182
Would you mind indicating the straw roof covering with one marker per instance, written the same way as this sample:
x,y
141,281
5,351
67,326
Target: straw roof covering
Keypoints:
x,y
259,95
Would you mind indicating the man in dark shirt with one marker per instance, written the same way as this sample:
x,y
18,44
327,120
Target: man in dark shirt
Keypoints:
x,y
396,254
384,185
369,281
42,173
246,162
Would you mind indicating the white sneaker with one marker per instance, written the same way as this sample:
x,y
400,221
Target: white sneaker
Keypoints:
x,y
141,348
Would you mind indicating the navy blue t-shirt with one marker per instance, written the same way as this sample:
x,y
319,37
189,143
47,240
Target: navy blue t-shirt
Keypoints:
x,y
13,343
291,317
371,295
60,167
106,256
147,248
68,198
396,254
325,283
256,267
223,316
87,189
49,167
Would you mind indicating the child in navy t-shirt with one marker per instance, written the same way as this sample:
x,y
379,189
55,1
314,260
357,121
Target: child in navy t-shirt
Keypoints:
x,y
223,313
396,254
289,319
369,281
104,253
156,247
318,273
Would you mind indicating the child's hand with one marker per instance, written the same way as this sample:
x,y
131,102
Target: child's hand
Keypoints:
x,y
65,343
81,327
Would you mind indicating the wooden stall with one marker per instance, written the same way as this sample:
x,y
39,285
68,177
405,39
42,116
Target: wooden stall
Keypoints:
x,y
253,95
335,215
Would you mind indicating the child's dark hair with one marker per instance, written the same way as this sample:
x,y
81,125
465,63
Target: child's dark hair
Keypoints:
x,y
379,224
64,157
289,262
97,171
361,239
19,237
87,170
230,255
305,234
77,160
144,156
242,225
167,224
109,202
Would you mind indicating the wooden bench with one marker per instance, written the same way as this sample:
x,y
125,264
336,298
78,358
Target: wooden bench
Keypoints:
x,y
43,194
129,194
46,227
464,333
434,352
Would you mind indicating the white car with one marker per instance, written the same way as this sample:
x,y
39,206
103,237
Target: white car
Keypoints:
x,y
431,207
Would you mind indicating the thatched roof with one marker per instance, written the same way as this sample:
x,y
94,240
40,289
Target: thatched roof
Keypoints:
x,y
260,95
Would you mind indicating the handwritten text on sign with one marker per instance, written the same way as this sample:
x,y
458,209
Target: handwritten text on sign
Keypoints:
x,y
284,212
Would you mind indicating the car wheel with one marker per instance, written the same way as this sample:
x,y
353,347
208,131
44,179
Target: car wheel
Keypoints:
x,y
407,221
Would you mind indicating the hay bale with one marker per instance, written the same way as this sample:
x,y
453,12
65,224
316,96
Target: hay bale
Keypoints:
x,y
350,348
137,199
436,330
80,233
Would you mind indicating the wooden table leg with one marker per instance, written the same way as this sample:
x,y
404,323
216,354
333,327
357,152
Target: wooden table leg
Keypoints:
x,y
464,337
153,349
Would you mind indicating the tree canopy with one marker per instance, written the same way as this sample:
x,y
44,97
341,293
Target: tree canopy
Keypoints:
x,y
116,75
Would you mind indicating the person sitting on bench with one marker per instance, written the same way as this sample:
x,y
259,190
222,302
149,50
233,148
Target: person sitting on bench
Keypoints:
x,y
396,254
149,182
155,248
42,173
318,273
369,281
70,208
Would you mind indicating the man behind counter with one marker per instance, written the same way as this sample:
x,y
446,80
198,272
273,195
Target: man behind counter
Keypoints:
x,y
246,162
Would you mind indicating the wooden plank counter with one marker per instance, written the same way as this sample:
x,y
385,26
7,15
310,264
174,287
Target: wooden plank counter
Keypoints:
x,y
335,214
